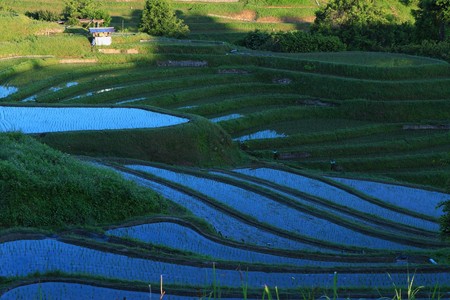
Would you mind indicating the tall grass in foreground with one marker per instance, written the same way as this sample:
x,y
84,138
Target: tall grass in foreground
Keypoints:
x,y
411,292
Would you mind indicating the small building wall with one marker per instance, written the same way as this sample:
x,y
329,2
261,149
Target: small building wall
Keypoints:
x,y
101,36
102,41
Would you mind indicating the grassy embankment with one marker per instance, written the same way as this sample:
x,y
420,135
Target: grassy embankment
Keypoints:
x,y
44,188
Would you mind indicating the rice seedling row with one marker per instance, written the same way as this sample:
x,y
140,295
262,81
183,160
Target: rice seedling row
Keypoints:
x,y
47,119
271,212
31,82
202,94
258,120
252,222
236,102
164,87
100,79
225,225
317,124
341,211
75,291
226,118
185,239
389,135
232,102
383,164
50,255
352,148
263,134
334,194
353,225
296,140
425,201
314,64
134,88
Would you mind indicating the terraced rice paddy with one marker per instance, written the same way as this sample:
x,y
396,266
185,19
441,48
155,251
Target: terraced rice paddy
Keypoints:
x,y
48,255
5,91
226,225
401,196
282,266
292,219
270,212
76,291
62,119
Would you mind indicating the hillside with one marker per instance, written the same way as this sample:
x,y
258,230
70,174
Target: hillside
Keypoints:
x,y
223,21
44,188
195,168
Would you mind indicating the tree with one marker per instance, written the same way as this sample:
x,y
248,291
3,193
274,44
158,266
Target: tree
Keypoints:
x,y
445,220
339,14
84,9
432,18
159,19
361,24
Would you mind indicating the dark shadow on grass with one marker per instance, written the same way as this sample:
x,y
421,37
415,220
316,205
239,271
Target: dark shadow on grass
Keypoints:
x,y
76,30
202,27
129,23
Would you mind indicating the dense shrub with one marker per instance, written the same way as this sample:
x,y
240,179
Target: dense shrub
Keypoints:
x,y
257,40
44,15
84,9
434,49
433,19
292,41
159,19
444,221
362,25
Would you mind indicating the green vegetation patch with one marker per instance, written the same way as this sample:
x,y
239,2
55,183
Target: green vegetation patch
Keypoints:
x,y
42,187
16,27
197,143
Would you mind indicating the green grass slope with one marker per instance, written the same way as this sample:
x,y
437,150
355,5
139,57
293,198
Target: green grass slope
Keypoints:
x,y
219,20
41,187
197,143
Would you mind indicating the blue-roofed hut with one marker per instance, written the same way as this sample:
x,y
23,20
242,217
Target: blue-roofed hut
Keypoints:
x,y
101,36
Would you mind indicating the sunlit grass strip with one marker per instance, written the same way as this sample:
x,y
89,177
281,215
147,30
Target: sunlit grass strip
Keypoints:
x,y
60,46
